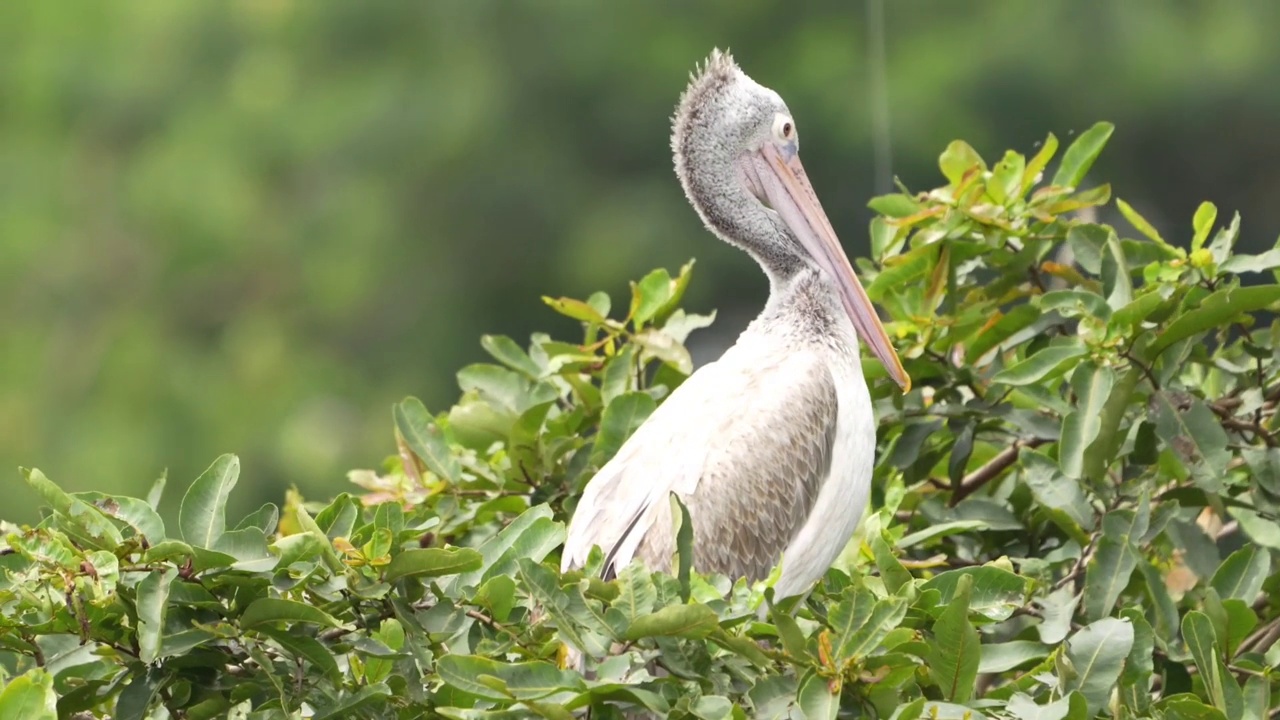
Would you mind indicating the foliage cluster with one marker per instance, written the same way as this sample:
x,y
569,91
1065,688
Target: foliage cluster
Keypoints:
x,y
234,225
1075,514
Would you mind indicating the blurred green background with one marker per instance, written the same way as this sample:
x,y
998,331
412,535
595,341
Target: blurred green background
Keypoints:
x,y
252,226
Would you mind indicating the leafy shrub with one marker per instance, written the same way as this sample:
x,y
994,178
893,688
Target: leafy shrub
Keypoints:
x,y
1075,514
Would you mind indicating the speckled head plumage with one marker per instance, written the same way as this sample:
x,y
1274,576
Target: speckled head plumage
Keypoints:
x,y
721,112
736,151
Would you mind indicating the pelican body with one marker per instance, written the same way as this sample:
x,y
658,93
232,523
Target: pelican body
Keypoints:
x,y
771,447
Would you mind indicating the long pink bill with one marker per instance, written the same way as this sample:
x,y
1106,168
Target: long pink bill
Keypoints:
x,y
787,188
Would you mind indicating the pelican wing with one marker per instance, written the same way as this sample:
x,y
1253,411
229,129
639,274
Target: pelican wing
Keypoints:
x,y
745,445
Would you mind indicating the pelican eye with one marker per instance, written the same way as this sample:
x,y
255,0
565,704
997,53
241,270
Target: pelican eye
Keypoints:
x,y
784,128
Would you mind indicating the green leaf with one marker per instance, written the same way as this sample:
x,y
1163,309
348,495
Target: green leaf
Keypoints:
x,y
1076,303
134,701
432,562
1003,657
1224,691
650,295
505,391
202,517
1005,184
352,704
1166,614
1138,222
578,624
789,632
859,622
1057,608
531,536
895,206
136,513
620,419
157,490
83,517
957,159
636,593
1136,311
740,645
1196,436
29,696
420,433
270,610
1091,384
1135,680
940,530
1097,654
1241,575
816,699
954,651
1087,242
913,266
1063,496
1213,311
506,351
1269,260
1261,530
688,621
1202,224
1080,156
576,309
1024,708
498,593
306,648
1048,362
684,544
523,680
1038,163
680,324
1240,621
619,374
266,518
892,572
1257,699
994,593
988,337
152,605
1188,707
1114,560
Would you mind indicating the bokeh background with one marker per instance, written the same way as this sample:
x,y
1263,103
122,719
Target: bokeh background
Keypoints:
x,y
252,226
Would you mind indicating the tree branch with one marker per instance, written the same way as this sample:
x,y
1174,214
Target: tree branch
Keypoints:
x,y
991,469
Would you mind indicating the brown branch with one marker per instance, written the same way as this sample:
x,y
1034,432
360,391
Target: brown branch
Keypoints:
x,y
1227,417
1262,639
993,467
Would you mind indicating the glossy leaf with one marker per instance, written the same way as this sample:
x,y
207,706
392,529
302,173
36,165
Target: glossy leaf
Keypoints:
x,y
432,562
270,610
1212,312
992,592
954,654
1081,154
690,621
1097,654
817,699
30,696
1046,363
424,438
202,518
1092,385
1241,575
153,604
621,418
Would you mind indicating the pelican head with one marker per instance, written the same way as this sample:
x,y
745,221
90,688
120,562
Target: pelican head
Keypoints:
x,y
736,148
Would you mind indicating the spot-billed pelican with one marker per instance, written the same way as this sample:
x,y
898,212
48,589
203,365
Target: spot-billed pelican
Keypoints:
x,y
771,447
